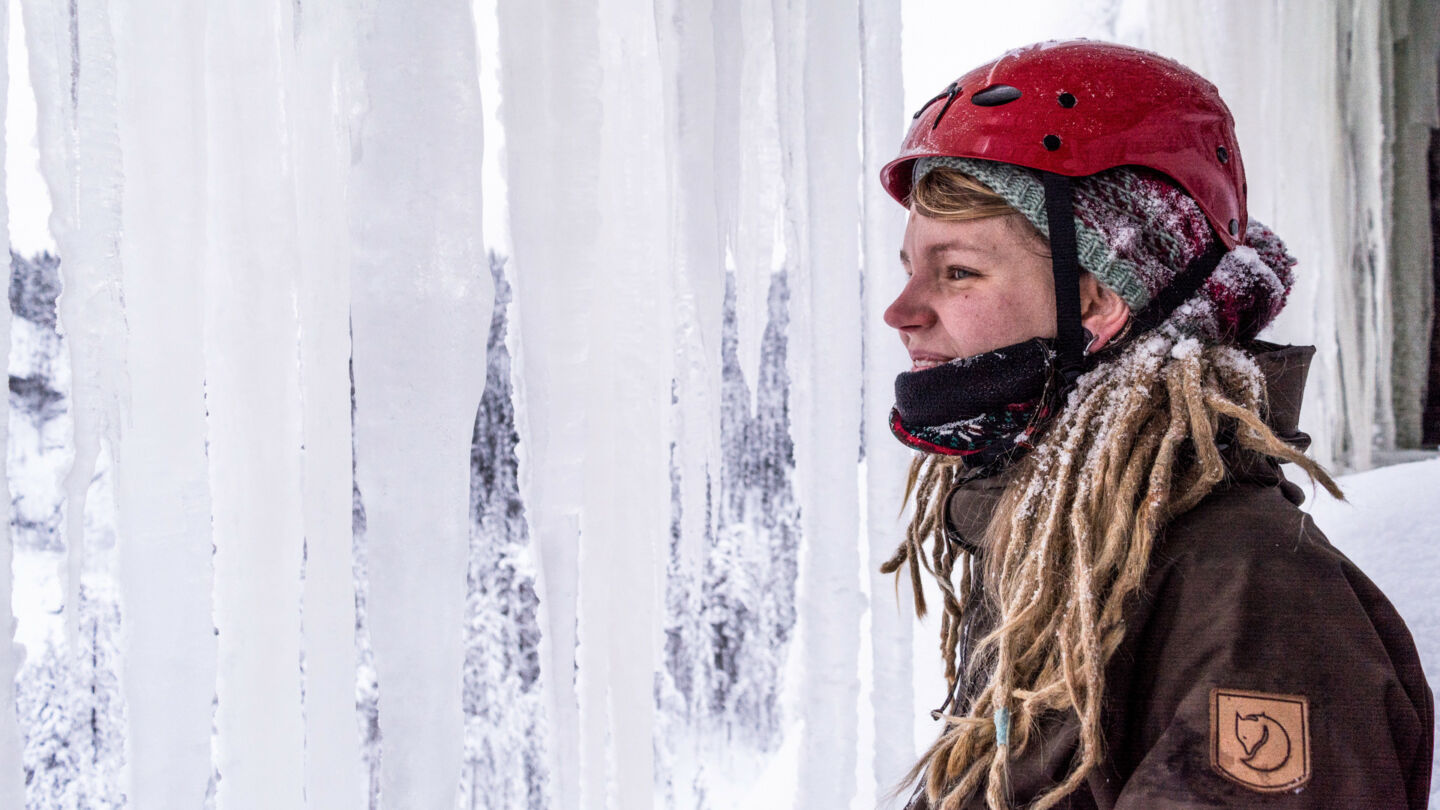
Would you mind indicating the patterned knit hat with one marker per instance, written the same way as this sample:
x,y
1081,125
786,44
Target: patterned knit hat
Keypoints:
x,y
1136,231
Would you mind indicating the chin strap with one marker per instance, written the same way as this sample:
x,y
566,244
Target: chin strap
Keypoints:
x,y
1065,261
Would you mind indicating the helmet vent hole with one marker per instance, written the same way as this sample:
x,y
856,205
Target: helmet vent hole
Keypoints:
x,y
1052,142
1234,228
995,95
1067,100
1222,153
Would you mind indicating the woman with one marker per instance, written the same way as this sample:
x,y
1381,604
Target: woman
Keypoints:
x,y
1136,615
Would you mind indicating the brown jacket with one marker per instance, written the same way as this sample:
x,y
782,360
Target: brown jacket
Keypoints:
x,y
1260,668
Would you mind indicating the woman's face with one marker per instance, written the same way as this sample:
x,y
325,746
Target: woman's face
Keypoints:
x,y
974,286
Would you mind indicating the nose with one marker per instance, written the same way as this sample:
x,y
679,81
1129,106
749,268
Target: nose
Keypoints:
x,y
911,309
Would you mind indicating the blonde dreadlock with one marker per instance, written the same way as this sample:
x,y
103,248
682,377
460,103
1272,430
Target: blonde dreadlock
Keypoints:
x,y
1069,545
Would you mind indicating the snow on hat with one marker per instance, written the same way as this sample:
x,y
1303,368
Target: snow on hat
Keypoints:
x,y
1136,231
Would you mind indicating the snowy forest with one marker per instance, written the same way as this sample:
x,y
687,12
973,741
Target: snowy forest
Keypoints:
x,y
483,404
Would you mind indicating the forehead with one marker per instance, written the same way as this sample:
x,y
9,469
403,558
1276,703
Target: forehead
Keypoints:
x,y
997,237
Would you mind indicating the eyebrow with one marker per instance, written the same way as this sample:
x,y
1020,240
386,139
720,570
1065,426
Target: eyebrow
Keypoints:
x,y
942,247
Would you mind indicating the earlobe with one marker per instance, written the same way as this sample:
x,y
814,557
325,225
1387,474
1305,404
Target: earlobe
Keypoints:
x,y
1103,312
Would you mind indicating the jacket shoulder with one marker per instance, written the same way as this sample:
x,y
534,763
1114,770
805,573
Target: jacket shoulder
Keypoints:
x,y
1245,595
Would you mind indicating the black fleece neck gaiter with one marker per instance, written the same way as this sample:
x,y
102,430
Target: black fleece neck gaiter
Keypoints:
x,y
984,409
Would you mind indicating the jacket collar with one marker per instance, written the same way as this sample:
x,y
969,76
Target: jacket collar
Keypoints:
x,y
1284,367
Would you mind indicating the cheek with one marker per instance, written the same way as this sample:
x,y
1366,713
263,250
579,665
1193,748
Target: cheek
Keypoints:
x,y
983,321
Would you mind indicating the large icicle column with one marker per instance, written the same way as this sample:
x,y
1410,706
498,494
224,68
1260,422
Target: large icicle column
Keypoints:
x,y
72,67
590,223
550,68
253,393
12,780
891,624
161,475
319,105
422,297
626,487
819,126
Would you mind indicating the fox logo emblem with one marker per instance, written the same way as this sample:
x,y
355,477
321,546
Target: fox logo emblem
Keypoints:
x,y
1260,740
1266,743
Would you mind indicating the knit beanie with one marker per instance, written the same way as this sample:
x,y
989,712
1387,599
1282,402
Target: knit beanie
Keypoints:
x,y
1135,230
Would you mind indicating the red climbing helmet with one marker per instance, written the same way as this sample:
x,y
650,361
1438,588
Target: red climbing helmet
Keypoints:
x,y
1076,108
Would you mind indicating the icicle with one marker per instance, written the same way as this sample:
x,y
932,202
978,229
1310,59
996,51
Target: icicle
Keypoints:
x,y
162,486
756,241
817,57
626,517
422,298
891,690
253,397
318,110
12,780
550,60
72,65
700,109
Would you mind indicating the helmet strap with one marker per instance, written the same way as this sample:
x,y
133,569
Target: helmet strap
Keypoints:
x,y
1181,289
1065,263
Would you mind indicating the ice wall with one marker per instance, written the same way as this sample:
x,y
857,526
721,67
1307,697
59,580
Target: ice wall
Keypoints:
x,y
724,166
1332,105
1312,179
205,165
1330,101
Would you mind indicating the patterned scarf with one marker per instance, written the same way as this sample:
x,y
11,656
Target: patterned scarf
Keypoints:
x,y
985,409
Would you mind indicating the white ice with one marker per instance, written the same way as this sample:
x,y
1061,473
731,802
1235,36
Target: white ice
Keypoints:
x,y
12,782
421,298
162,478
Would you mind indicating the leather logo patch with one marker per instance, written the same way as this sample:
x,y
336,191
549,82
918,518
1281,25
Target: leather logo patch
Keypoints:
x,y
1260,740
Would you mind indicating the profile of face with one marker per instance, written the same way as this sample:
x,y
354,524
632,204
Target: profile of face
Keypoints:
x,y
978,285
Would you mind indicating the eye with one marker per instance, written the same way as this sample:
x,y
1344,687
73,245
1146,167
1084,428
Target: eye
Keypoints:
x,y
957,273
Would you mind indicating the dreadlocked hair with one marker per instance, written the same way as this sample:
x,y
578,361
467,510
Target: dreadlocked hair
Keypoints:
x,y
1137,444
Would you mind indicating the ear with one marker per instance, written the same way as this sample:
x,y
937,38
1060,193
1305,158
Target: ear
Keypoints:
x,y
1102,310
